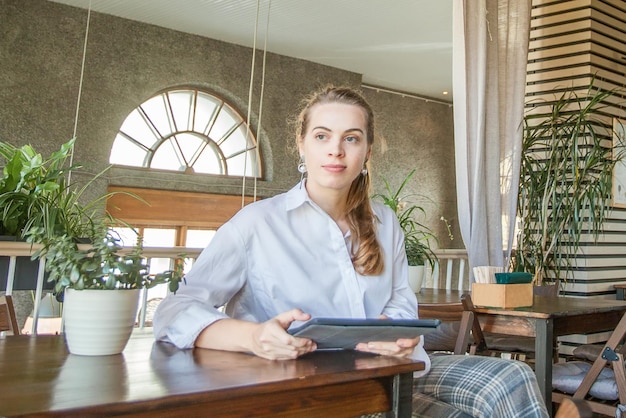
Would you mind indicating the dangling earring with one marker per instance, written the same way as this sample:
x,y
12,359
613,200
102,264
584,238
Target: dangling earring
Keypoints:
x,y
364,169
302,169
302,165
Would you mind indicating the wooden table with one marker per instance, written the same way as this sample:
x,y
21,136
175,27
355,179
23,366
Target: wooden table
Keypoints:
x,y
39,377
547,319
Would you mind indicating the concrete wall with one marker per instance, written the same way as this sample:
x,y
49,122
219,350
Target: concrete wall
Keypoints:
x,y
41,46
128,62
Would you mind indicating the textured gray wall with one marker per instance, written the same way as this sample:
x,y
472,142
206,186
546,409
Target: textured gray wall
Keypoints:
x,y
127,62
41,45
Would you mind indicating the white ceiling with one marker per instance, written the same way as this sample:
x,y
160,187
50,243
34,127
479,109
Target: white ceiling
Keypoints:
x,y
401,45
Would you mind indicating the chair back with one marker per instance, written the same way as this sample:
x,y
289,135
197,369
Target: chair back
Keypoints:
x,y
574,408
454,334
548,290
480,344
8,320
598,397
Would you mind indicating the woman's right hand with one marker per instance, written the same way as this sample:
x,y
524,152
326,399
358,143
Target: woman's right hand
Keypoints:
x,y
270,339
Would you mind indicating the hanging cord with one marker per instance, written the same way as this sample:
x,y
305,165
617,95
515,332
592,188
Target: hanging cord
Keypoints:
x,y
245,160
80,90
258,129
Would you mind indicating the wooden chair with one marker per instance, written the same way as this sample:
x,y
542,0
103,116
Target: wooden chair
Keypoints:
x,y
8,320
574,408
480,345
611,357
455,333
507,346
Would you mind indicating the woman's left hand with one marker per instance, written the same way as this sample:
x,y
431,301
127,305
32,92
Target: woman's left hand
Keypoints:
x,y
401,348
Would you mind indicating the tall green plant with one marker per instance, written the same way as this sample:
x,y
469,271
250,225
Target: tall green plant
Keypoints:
x,y
565,182
417,236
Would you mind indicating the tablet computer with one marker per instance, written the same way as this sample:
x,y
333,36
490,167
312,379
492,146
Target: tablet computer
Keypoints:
x,y
341,333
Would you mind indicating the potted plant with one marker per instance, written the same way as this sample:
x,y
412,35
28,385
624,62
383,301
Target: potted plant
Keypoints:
x,y
33,192
38,203
565,183
417,236
100,284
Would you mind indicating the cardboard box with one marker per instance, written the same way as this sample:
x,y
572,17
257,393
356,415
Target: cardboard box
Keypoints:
x,y
502,295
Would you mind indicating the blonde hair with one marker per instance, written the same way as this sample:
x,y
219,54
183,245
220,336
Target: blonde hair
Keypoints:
x,y
367,255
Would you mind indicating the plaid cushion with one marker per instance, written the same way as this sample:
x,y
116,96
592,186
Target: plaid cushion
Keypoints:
x,y
484,386
425,406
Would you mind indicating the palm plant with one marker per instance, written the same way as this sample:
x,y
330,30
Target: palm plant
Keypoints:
x,y
566,178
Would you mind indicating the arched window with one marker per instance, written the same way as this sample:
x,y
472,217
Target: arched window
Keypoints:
x,y
188,130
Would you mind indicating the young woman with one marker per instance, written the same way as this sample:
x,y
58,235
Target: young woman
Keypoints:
x,y
323,249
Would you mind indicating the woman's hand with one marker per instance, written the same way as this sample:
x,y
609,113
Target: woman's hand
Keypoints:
x,y
270,339
403,347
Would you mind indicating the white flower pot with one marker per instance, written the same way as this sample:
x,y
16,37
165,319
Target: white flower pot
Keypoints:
x,y
99,322
416,277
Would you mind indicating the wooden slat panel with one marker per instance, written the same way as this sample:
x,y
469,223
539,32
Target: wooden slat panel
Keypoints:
x,y
558,74
611,41
556,19
548,64
610,19
613,275
613,7
546,31
576,39
549,87
540,104
558,50
617,5
601,50
172,208
539,9
609,63
539,68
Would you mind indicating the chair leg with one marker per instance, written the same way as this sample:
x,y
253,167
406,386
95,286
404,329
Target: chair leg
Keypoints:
x,y
620,378
601,361
573,408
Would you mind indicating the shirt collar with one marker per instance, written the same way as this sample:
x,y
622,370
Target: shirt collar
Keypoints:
x,y
297,196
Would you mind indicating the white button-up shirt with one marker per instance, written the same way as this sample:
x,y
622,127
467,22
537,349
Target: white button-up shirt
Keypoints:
x,y
283,253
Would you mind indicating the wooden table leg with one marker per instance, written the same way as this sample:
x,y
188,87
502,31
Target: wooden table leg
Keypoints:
x,y
544,347
402,396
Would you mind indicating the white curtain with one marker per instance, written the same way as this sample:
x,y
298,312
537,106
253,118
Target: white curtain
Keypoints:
x,y
490,52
